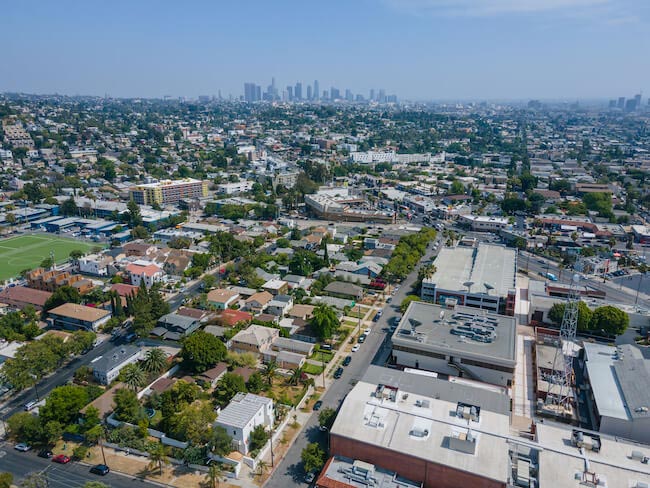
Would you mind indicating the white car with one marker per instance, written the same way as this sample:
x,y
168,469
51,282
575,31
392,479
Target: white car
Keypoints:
x,y
355,348
367,331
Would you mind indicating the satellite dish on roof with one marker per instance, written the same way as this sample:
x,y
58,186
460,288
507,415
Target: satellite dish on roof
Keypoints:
x,y
468,284
488,287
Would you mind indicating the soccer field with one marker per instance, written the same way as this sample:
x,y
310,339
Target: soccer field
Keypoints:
x,y
28,251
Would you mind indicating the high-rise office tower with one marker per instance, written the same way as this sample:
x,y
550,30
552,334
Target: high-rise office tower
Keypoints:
x,y
348,95
381,98
621,102
335,94
637,101
290,92
316,90
249,92
309,93
298,91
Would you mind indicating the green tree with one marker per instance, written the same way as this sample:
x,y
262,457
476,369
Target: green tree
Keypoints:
x,y
157,456
324,321
220,442
407,301
127,406
155,360
202,351
213,476
456,188
193,423
228,386
326,417
313,457
269,371
611,320
132,376
255,383
556,313
134,215
63,294
259,437
6,480
69,207
95,484
25,427
35,480
63,404
76,254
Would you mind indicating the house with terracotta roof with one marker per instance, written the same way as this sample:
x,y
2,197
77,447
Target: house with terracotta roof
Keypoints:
x,y
21,296
146,271
258,302
222,298
230,317
75,316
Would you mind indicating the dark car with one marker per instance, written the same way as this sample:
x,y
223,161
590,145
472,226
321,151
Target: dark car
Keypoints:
x,y
347,360
317,405
310,477
338,373
45,453
362,339
100,469
130,337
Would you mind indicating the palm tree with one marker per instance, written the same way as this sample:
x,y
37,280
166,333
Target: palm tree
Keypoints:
x,y
269,371
155,360
295,376
157,457
215,471
132,376
262,466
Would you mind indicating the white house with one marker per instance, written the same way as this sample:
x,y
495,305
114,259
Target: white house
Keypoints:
x,y
106,368
242,415
145,271
94,265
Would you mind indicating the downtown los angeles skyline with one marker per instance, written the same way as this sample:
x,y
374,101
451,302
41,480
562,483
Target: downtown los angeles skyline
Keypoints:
x,y
416,49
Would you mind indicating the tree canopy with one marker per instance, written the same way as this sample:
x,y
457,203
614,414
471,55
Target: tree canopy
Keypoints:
x,y
202,351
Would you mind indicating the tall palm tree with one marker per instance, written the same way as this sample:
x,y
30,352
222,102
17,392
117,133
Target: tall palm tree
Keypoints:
x,y
269,371
132,376
215,471
157,457
155,360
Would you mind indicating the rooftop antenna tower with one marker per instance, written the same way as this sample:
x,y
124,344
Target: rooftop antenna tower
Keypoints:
x,y
560,393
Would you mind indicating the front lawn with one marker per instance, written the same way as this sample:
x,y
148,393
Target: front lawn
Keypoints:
x,y
312,368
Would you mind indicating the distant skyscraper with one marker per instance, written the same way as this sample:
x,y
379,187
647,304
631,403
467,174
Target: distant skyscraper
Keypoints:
x,y
637,101
309,93
372,94
612,104
381,98
249,92
290,92
316,90
348,95
335,94
298,91
621,102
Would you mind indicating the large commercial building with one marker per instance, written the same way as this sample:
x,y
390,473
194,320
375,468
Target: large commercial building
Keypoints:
x,y
168,191
341,204
619,390
482,277
452,433
459,341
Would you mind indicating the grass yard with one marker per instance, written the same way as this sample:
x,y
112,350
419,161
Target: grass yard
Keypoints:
x,y
310,368
28,251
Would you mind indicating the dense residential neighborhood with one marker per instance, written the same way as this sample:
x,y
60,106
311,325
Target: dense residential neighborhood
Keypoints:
x,y
341,294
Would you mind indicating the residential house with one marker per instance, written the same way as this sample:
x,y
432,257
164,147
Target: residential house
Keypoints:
x,y
231,318
139,249
176,262
50,280
303,312
245,412
280,305
213,375
75,316
256,339
106,368
293,345
258,302
96,265
146,271
20,297
222,298
341,289
276,287
174,326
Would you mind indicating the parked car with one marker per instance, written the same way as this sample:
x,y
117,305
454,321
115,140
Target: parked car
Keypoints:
x,y
362,339
326,347
45,453
100,469
61,459
22,447
338,373
347,360
367,331
310,477
130,337
30,405
317,405
355,348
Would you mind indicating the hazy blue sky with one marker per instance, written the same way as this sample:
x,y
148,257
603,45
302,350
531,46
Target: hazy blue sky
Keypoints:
x,y
422,49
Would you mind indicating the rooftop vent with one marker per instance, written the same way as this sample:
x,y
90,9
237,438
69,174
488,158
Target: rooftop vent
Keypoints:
x,y
420,433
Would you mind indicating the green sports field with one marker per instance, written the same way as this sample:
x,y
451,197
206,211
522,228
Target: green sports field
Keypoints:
x,y
28,251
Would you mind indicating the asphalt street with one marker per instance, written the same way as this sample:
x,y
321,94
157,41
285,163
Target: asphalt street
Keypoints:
x,y
375,350
70,475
